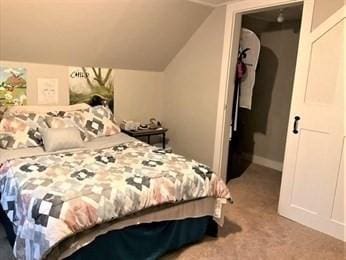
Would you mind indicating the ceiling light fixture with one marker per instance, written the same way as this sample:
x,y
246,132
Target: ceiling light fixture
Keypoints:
x,y
280,18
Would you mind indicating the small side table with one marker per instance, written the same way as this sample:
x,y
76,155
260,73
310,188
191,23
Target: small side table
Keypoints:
x,y
148,133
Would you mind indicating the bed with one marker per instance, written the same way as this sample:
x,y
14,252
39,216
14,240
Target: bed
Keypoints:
x,y
111,190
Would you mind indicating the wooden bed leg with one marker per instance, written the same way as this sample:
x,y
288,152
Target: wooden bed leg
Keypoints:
x,y
212,228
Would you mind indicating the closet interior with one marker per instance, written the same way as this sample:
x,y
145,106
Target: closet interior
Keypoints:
x,y
263,89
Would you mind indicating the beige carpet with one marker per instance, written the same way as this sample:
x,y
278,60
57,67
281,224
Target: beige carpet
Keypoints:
x,y
254,230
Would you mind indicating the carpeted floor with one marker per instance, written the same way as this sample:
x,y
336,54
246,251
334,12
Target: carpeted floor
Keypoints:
x,y
253,229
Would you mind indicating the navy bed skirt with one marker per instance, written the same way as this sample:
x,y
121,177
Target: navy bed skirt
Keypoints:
x,y
144,241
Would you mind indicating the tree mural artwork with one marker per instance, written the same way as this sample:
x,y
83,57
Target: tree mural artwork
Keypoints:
x,y
93,86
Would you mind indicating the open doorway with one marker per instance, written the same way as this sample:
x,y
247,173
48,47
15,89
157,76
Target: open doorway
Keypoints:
x,y
260,117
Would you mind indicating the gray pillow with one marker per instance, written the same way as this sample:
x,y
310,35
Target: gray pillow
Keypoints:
x,y
56,139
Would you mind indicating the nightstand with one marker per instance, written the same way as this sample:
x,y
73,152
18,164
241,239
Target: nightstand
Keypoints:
x,y
148,133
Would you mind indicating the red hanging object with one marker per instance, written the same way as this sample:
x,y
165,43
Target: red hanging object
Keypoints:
x,y
241,69
241,66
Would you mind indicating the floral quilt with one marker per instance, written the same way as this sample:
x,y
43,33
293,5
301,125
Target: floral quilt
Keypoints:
x,y
50,197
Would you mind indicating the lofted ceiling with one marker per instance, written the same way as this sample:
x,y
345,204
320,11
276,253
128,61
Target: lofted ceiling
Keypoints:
x,y
126,34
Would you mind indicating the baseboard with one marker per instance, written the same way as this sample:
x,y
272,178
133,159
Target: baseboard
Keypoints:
x,y
264,161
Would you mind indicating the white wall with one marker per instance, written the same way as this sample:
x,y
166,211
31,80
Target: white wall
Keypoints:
x,y
137,93
190,92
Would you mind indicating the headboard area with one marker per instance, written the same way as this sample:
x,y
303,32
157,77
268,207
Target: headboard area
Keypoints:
x,y
46,109
130,94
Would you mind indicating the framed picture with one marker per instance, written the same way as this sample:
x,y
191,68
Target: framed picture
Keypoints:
x,y
12,86
47,91
91,85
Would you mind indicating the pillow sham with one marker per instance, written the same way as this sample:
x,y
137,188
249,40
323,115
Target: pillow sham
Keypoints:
x,y
20,139
12,122
95,121
102,112
57,139
20,130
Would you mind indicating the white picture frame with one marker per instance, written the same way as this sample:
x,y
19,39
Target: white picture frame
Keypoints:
x,y
47,91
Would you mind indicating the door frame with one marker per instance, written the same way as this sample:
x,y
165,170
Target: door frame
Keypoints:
x,y
228,66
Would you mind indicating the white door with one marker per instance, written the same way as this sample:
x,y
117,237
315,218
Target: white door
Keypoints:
x,y
312,189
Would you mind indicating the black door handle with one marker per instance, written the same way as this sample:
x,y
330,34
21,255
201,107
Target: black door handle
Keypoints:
x,y
295,125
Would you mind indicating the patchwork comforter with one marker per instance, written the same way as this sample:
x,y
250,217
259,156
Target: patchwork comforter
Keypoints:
x,y
50,197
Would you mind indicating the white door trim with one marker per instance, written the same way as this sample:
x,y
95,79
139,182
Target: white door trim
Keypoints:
x,y
228,64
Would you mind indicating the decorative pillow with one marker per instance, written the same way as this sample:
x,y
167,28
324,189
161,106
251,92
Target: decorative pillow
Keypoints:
x,y
96,121
57,139
20,130
64,122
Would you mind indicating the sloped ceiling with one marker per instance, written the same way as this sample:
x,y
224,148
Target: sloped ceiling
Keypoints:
x,y
213,3
126,34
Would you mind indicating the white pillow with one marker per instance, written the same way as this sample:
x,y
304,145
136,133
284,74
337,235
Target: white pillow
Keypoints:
x,y
57,139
